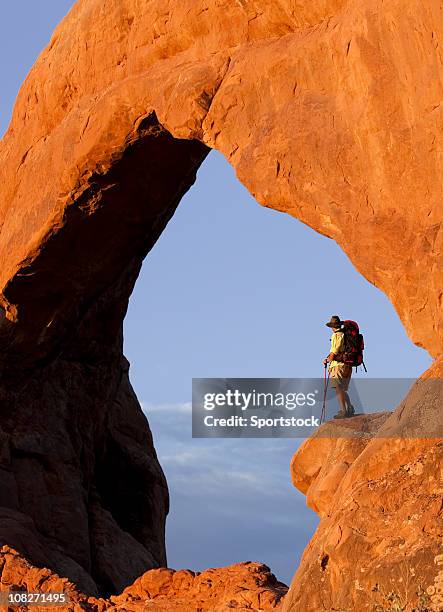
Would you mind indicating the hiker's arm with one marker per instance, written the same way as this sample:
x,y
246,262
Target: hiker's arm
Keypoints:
x,y
329,358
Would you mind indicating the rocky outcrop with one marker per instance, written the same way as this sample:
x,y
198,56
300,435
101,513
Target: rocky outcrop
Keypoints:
x,y
321,463
329,111
243,586
380,499
81,489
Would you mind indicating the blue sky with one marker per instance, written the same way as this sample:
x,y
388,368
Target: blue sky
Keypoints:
x,y
230,289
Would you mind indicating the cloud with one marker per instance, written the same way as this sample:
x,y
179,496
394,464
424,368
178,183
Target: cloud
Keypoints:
x,y
174,408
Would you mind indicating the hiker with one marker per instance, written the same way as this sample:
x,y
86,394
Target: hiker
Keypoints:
x,y
339,372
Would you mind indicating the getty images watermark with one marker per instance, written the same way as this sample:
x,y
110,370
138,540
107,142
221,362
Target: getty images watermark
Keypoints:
x,y
243,407
252,400
296,407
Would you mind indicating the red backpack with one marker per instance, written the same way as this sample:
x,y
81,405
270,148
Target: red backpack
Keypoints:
x,y
354,345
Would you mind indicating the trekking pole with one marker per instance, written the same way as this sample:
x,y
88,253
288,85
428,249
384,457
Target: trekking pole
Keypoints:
x,y
326,382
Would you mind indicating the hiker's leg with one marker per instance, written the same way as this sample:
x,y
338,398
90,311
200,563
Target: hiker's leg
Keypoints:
x,y
349,406
336,384
347,373
341,398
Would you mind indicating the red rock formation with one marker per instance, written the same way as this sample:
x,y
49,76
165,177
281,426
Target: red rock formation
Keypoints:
x,y
243,586
330,111
16,575
321,463
81,490
380,500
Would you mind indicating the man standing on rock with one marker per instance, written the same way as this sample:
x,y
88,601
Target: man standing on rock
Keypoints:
x,y
340,373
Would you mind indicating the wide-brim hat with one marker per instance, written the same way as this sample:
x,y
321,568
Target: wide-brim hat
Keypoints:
x,y
334,322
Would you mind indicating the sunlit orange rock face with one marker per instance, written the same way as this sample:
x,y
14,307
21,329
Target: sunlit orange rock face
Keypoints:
x,y
243,586
330,111
379,541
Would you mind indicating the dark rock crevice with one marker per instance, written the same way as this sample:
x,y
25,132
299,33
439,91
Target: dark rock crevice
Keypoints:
x,y
82,490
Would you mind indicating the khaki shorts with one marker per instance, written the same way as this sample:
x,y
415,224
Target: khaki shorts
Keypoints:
x,y
340,376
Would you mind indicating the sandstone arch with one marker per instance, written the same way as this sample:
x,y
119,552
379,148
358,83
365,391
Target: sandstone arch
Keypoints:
x,y
330,112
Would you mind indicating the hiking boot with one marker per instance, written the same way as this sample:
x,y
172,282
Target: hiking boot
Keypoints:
x,y
344,415
350,410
